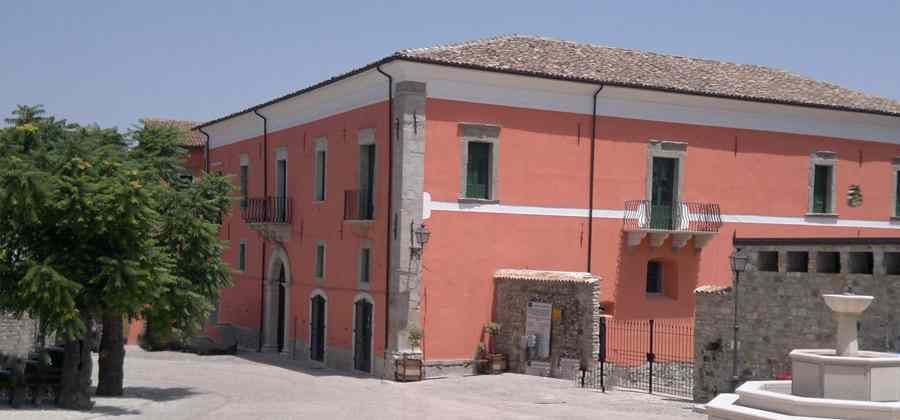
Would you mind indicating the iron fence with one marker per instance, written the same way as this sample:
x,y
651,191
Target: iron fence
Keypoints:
x,y
656,356
679,216
268,210
358,205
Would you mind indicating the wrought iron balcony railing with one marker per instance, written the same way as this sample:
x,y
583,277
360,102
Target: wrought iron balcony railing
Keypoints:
x,y
642,215
275,210
358,205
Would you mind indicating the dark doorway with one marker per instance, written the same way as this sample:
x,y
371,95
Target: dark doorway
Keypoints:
x,y
362,336
281,297
317,329
664,192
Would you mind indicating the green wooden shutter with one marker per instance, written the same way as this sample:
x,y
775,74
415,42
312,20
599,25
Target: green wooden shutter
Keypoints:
x,y
478,171
897,196
244,175
822,189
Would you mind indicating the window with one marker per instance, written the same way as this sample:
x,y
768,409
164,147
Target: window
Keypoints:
x,y
478,171
862,263
244,173
364,265
321,159
366,180
242,255
654,277
892,263
320,261
797,261
767,261
822,182
897,194
828,262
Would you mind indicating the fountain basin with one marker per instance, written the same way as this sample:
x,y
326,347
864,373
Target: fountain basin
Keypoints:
x,y
848,304
867,376
773,400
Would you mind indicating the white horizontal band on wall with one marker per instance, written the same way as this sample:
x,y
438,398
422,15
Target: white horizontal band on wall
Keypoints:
x,y
449,206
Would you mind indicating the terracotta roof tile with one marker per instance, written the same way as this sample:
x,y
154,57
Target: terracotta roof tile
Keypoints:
x,y
545,275
641,69
712,290
193,138
557,59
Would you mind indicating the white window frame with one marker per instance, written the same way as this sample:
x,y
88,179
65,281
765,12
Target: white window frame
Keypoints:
x,y
823,158
324,247
360,284
895,173
245,163
479,133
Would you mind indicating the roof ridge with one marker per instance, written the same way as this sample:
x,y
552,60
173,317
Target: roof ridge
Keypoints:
x,y
409,51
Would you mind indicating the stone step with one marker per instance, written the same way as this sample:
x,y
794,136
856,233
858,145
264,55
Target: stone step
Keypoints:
x,y
725,407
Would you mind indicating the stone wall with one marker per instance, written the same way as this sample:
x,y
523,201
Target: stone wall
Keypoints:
x,y
17,336
783,310
573,336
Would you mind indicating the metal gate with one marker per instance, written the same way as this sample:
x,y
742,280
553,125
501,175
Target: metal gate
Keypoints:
x,y
655,356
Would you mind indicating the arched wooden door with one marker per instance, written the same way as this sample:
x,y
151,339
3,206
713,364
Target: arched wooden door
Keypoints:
x,y
317,329
362,335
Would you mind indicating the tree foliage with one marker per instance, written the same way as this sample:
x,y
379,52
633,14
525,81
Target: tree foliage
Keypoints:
x,y
91,228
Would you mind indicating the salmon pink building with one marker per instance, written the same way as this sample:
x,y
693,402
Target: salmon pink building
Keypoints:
x,y
384,200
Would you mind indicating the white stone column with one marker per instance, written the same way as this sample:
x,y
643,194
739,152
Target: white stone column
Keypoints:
x,y
847,334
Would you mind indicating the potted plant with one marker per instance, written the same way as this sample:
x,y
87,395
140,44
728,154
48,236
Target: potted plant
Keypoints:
x,y
409,367
496,361
480,361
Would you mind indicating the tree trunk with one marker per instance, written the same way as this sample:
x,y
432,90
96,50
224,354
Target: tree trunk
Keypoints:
x,y
75,388
112,356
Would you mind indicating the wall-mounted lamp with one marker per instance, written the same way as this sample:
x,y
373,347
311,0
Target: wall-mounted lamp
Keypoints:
x,y
420,237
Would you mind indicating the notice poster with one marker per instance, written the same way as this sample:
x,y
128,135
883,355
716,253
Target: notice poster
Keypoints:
x,y
537,324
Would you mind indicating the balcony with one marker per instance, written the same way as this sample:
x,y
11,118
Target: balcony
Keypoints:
x,y
682,221
270,216
358,205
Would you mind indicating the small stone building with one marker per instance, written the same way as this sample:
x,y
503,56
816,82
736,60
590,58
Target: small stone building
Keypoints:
x,y
574,325
780,307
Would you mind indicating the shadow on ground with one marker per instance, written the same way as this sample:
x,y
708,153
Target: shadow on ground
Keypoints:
x,y
301,366
158,394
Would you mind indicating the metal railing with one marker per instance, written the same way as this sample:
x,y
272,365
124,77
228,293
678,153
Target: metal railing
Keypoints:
x,y
277,210
656,356
358,205
680,216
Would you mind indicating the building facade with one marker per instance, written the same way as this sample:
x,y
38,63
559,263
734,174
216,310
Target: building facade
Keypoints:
x,y
527,153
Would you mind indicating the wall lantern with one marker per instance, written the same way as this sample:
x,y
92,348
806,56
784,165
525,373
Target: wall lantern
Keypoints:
x,y
739,261
420,237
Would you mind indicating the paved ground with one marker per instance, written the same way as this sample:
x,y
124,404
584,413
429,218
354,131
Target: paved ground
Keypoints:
x,y
174,386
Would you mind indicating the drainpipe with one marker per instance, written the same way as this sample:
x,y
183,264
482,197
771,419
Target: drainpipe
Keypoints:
x,y
262,265
389,213
205,149
591,181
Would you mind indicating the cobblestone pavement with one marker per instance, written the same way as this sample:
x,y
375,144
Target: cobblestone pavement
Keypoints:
x,y
174,386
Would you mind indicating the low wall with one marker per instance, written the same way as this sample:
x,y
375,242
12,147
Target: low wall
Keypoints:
x,y
782,309
573,336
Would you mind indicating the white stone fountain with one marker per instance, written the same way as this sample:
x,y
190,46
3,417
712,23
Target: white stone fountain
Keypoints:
x,y
840,383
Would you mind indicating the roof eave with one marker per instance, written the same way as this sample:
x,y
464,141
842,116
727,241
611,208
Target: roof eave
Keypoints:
x,y
423,60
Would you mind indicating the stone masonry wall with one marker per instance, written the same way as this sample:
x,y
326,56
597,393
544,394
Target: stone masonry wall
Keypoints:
x,y
571,337
17,336
781,311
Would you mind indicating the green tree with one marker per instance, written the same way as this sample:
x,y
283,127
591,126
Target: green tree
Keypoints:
x,y
77,229
26,114
190,212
